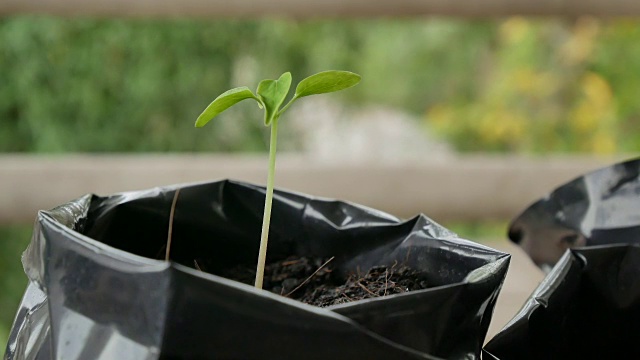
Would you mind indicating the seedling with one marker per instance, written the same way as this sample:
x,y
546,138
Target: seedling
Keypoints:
x,y
270,96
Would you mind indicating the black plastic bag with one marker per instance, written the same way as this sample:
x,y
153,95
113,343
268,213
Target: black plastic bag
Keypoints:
x,y
602,207
588,307
96,291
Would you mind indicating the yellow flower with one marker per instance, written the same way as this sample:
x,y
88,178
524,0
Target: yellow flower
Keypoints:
x,y
603,143
594,109
514,29
579,46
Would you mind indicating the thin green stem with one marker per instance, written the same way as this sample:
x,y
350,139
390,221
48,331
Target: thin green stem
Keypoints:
x,y
266,220
294,98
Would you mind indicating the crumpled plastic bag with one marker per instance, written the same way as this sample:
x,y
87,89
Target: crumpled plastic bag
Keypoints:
x,y
97,291
588,307
601,207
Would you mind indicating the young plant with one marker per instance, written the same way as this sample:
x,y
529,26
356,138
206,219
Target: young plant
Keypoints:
x,y
270,96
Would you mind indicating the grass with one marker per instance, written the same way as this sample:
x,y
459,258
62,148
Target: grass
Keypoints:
x,y
479,231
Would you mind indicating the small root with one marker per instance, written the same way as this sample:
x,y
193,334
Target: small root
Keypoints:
x,y
171,215
291,262
309,278
365,289
159,253
386,281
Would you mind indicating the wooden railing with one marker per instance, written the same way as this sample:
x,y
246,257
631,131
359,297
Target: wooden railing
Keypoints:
x,y
460,188
324,8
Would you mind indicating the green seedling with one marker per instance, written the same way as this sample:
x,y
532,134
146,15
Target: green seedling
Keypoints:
x,y
270,96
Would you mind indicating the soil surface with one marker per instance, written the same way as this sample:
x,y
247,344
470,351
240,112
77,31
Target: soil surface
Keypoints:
x,y
313,281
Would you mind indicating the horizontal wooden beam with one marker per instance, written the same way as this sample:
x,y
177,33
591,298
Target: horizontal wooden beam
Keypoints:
x,y
458,188
324,8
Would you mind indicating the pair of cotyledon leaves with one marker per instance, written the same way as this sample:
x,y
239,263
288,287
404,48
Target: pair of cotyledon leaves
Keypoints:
x,y
271,94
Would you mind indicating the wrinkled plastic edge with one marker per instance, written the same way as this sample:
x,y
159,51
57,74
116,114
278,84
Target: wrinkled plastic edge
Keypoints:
x,y
539,298
31,326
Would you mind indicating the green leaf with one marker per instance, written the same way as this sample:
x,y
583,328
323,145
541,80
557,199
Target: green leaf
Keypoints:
x,y
326,82
272,93
223,102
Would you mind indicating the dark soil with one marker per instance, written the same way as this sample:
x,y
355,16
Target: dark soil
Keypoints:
x,y
313,281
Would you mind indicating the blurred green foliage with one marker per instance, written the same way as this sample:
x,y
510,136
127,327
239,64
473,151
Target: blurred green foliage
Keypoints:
x,y
13,281
479,231
137,85
551,86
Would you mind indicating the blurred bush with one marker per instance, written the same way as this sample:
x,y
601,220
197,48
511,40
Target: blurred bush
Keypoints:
x,y
550,86
137,85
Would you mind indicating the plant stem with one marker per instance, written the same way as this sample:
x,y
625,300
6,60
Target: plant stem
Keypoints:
x,y
287,106
266,220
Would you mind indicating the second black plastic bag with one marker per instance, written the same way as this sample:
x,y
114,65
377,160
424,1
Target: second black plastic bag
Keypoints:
x,y
588,307
98,290
599,208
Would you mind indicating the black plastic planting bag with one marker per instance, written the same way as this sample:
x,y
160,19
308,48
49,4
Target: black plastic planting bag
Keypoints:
x,y
602,207
96,291
588,307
